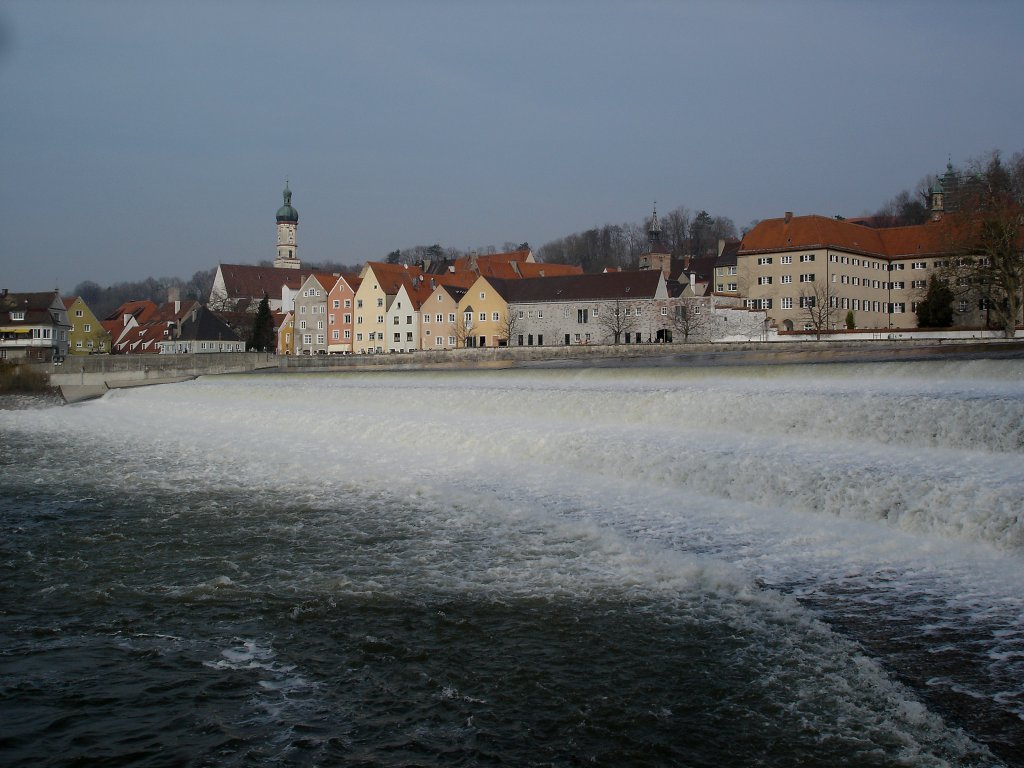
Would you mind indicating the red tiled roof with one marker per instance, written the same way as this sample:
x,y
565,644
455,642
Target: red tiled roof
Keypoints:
x,y
806,232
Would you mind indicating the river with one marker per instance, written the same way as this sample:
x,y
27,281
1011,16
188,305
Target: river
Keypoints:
x,y
622,566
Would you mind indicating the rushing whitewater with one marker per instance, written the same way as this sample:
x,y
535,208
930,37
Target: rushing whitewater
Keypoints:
x,y
777,565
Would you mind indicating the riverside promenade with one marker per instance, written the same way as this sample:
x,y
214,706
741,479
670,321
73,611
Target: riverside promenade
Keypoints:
x,y
82,378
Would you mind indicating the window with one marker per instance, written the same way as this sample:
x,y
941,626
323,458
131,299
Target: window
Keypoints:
x,y
732,287
520,314
919,265
918,284
359,337
806,257
398,338
336,304
764,260
899,286
483,317
302,309
359,319
440,318
451,317
380,302
348,335
565,313
786,279
396,319
787,303
732,270
438,341
482,296
380,319
451,341
963,305
87,328
664,311
348,304
302,325
359,303
494,316
833,258
79,313
321,338
899,266
808,278
348,319
785,260
582,316
306,339
764,280
899,308
806,302
330,319
335,335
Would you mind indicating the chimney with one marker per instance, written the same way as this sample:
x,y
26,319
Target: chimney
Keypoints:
x,y
789,216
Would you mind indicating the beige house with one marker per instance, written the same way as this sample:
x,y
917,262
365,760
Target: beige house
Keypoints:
x,y
440,310
377,290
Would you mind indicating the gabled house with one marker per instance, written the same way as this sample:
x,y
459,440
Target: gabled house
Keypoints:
x,y
310,337
340,314
198,330
439,311
33,326
86,336
380,283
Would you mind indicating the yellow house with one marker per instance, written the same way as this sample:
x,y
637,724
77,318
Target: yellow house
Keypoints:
x,y
87,336
286,335
481,320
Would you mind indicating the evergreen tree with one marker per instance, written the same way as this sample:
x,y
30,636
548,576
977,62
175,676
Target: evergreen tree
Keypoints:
x,y
262,338
936,310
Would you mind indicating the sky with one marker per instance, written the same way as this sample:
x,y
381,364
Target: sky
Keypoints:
x,y
154,139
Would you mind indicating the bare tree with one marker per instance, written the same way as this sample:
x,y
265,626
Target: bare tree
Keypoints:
x,y
987,236
819,307
510,323
616,318
691,318
463,328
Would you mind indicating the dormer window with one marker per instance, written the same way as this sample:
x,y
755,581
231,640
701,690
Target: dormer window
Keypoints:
x,y
17,315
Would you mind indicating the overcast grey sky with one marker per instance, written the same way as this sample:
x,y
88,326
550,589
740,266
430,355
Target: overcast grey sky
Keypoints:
x,y
153,139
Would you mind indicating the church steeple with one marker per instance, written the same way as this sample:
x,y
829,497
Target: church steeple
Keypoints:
x,y
657,256
287,229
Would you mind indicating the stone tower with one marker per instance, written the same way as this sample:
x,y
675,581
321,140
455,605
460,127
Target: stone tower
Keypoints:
x,y
287,228
657,256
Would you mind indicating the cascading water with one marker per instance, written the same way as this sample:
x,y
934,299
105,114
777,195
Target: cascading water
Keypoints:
x,y
775,565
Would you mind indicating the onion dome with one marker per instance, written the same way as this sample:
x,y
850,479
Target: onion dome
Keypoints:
x,y
286,213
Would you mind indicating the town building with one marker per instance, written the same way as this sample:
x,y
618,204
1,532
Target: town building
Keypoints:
x,y
33,326
86,336
793,266
311,329
606,308
340,314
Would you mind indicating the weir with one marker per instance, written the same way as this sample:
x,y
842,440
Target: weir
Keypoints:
x,y
84,378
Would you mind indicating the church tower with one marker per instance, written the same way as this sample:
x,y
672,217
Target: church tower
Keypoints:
x,y
657,256
287,226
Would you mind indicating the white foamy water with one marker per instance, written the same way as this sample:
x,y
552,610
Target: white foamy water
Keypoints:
x,y
810,506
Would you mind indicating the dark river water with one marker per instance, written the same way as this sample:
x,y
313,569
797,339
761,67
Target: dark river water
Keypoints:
x,y
766,566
